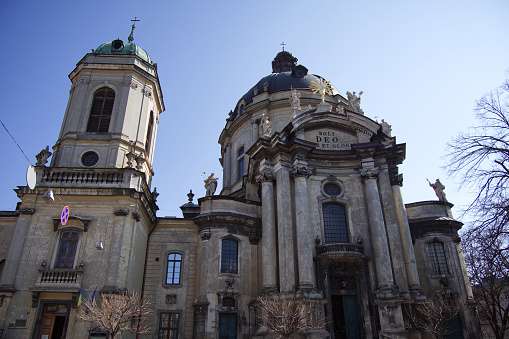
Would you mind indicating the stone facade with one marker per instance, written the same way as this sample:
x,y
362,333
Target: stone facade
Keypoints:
x,y
310,206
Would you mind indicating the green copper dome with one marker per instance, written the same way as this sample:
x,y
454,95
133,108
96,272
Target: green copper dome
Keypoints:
x,y
119,47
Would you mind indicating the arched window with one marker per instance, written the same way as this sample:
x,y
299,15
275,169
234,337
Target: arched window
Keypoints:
x,y
436,253
229,256
150,128
100,112
67,249
240,163
174,267
334,224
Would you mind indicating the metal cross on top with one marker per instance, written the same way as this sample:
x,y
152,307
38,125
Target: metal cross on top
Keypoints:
x,y
131,38
283,44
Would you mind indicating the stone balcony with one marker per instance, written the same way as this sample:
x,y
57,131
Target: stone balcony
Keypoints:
x,y
340,251
59,279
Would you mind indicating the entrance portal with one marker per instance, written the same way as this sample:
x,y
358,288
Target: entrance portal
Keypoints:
x,y
227,325
344,316
53,321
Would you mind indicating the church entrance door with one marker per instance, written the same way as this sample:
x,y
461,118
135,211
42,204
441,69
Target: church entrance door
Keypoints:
x,y
227,326
344,314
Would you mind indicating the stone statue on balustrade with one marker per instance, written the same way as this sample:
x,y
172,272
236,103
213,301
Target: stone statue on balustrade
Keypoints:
x,y
354,102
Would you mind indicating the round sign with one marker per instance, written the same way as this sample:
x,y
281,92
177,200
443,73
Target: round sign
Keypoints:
x,y
65,215
31,177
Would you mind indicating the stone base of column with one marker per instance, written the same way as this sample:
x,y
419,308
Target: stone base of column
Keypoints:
x,y
269,289
417,293
398,334
384,293
311,293
391,319
7,288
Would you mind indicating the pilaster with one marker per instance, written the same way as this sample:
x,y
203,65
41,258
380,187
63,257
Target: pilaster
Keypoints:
x,y
269,269
285,230
406,239
300,173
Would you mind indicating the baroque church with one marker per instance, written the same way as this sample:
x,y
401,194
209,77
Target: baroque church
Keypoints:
x,y
310,207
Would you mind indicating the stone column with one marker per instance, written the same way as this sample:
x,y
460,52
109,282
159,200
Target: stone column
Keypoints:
x,y
406,238
304,239
16,250
285,230
378,232
393,235
269,267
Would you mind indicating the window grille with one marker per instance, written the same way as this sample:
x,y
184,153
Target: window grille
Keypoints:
x,y
343,282
228,302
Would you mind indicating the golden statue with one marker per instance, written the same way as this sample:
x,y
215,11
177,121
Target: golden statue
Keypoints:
x,y
322,86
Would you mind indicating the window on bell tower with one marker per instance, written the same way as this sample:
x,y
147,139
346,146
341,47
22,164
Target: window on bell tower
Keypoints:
x,y
150,129
100,112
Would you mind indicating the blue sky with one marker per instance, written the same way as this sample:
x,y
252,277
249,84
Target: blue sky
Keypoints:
x,y
421,65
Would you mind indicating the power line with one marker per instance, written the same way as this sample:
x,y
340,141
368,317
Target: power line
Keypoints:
x,y
16,143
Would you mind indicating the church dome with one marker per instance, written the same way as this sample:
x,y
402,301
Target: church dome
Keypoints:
x,y
119,47
286,75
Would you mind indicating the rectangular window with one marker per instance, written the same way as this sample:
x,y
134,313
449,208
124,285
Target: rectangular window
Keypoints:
x,y
229,256
169,325
437,256
67,249
174,267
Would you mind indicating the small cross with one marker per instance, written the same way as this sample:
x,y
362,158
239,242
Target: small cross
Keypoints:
x,y
131,38
134,21
283,44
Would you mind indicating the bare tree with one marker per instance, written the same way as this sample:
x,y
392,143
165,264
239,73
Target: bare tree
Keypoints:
x,y
285,315
488,267
116,312
433,315
480,157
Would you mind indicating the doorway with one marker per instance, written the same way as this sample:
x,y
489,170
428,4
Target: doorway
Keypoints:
x,y
53,323
227,325
345,317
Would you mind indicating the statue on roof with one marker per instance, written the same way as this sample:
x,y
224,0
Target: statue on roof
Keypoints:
x,y
42,157
210,185
439,188
386,128
354,102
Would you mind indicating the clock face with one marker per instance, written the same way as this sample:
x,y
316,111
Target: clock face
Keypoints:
x,y
89,159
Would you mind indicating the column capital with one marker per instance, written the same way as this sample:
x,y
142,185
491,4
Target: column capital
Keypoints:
x,y
300,171
369,173
266,174
396,179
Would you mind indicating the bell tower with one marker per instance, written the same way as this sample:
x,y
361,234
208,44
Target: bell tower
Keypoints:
x,y
113,110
